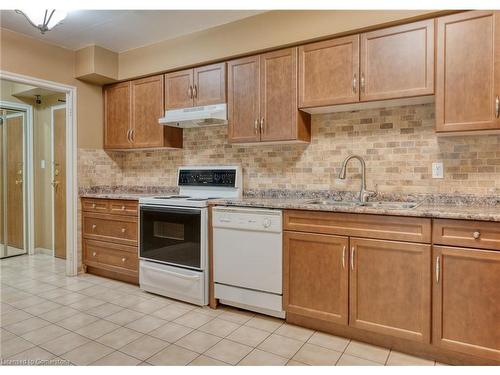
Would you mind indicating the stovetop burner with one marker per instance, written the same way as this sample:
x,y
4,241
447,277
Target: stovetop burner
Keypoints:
x,y
173,197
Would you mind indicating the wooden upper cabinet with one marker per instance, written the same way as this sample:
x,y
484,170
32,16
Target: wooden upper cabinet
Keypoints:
x,y
244,99
316,276
280,118
397,62
117,119
147,108
200,86
262,99
209,84
131,113
390,288
468,71
329,72
179,89
466,310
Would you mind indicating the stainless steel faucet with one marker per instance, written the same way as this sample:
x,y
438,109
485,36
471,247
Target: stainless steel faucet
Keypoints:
x,y
363,193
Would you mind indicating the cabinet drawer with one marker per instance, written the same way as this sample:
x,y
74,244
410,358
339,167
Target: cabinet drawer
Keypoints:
x,y
97,253
466,233
95,205
359,225
117,229
122,207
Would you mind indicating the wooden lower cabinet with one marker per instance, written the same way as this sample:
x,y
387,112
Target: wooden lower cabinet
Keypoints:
x,y
110,238
390,288
466,301
316,276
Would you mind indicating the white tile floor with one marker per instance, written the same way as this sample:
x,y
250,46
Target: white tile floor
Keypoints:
x,y
88,320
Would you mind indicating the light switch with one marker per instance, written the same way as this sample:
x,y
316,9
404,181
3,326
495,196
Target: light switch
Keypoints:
x,y
437,170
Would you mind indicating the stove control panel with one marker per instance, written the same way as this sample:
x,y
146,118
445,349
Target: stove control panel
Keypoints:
x,y
207,177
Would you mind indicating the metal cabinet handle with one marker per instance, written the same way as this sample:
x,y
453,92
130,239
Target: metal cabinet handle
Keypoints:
x,y
128,135
343,257
124,259
195,91
94,226
132,135
123,208
476,234
123,230
352,258
19,182
497,107
94,254
354,84
93,205
362,82
437,268
256,126
190,92
262,125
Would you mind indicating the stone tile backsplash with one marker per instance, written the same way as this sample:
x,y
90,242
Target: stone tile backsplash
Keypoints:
x,y
399,145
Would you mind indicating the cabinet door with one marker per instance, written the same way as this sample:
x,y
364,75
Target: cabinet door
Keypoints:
x,y
243,99
278,95
179,89
329,72
316,276
210,84
398,61
117,116
147,108
467,71
390,288
466,301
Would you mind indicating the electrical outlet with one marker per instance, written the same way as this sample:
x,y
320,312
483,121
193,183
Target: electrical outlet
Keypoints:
x,y
437,170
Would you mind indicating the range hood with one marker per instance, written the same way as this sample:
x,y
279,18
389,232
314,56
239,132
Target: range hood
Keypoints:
x,y
195,117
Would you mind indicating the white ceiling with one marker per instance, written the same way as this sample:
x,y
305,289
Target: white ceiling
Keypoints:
x,y
121,30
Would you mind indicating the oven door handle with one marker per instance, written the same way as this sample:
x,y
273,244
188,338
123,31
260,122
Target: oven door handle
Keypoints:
x,y
151,208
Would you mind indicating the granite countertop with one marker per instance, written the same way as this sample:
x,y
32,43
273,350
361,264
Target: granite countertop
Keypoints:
x,y
446,206
431,210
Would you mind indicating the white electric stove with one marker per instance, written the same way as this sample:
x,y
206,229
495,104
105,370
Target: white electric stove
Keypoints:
x,y
173,245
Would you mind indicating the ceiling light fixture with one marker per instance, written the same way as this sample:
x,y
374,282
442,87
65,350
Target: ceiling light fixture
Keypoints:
x,y
43,20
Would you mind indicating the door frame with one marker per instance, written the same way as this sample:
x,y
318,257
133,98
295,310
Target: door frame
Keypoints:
x,y
52,143
28,191
71,162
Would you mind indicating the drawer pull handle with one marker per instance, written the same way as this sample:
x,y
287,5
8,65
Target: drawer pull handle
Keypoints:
x,y
124,259
93,205
476,234
352,258
94,254
343,257
94,226
123,230
123,208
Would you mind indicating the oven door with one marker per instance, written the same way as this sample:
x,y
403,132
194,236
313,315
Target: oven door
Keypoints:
x,y
173,235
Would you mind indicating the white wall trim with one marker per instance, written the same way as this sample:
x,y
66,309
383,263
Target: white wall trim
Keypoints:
x,y
71,161
28,190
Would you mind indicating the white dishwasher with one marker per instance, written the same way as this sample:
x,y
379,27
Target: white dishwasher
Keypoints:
x,y
248,258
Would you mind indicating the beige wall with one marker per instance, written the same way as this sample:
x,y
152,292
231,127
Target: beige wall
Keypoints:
x,y
24,55
260,32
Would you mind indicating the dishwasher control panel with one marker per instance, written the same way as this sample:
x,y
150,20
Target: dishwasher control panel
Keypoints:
x,y
255,219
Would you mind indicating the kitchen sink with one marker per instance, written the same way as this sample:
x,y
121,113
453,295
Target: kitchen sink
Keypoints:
x,y
375,204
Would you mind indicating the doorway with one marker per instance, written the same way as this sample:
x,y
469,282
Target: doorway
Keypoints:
x,y
13,193
56,173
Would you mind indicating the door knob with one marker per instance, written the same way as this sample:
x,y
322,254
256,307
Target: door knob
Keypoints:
x,y
124,259
123,208
123,230
94,254
94,226
476,234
